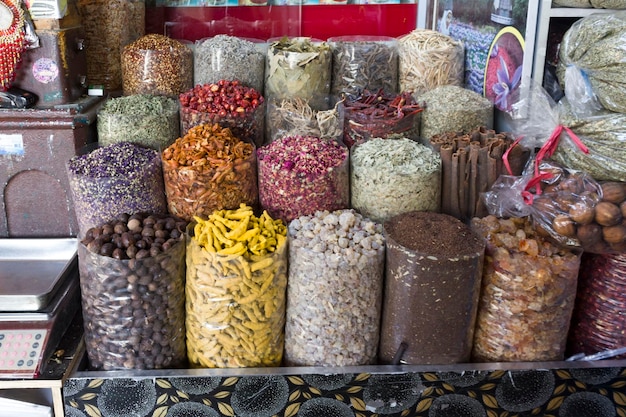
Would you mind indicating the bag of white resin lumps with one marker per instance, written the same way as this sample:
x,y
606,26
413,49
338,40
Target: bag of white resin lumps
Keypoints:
x,y
334,289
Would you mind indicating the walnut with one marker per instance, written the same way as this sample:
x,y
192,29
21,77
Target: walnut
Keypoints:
x,y
613,192
608,214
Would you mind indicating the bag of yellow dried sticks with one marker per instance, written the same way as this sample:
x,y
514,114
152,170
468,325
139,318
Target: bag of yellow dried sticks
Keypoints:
x,y
235,289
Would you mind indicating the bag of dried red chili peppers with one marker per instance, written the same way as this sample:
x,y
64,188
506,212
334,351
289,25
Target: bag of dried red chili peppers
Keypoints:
x,y
380,114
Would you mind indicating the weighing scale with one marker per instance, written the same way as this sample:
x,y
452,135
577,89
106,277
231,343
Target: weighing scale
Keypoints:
x,y
39,297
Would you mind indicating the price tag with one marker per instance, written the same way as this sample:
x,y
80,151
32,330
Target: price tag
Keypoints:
x,y
11,144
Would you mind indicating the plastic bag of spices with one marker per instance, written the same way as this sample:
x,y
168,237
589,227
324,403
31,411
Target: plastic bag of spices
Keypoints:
x,y
236,283
225,57
363,63
431,290
299,175
158,65
394,176
132,279
380,114
227,103
598,322
295,116
428,59
299,68
450,108
109,26
119,178
143,119
528,293
209,169
334,291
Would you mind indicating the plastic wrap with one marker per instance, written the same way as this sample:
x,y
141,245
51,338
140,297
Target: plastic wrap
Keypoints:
x,y
334,293
150,121
363,63
292,117
377,114
528,293
428,59
109,26
209,169
299,68
590,141
155,64
134,309
431,289
225,57
393,176
236,291
299,175
569,206
592,61
598,322
115,179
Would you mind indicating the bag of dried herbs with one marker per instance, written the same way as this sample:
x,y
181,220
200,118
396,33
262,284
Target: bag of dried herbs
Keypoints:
x,y
144,119
299,68
295,116
592,61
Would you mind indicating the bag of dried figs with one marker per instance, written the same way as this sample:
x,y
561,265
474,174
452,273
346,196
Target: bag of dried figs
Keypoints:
x,y
569,206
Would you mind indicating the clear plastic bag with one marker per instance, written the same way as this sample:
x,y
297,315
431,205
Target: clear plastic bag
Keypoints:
x,y
570,206
134,309
528,293
584,140
592,57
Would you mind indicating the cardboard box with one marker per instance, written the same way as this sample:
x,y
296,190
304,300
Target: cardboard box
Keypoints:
x,y
35,144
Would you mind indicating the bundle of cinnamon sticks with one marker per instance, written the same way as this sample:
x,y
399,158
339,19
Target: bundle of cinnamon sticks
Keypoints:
x,y
471,163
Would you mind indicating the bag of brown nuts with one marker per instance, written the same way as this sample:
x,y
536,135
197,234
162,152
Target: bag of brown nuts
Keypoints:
x,y
132,279
567,205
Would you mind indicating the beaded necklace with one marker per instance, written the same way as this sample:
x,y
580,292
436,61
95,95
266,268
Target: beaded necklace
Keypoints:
x,y
12,41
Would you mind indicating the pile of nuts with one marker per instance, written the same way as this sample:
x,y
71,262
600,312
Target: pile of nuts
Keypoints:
x,y
132,277
578,211
228,103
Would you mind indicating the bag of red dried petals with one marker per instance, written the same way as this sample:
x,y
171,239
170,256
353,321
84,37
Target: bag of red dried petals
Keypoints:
x,y
569,206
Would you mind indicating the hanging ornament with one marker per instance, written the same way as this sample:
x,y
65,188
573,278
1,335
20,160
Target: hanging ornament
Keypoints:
x,y
12,40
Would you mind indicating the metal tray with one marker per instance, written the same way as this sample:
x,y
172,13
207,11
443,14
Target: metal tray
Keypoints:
x,y
32,270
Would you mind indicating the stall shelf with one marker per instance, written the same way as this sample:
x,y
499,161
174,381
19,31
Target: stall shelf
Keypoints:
x,y
569,388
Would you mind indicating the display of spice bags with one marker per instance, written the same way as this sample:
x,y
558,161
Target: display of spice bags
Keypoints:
x,y
144,119
299,175
209,169
334,291
379,114
299,67
528,293
227,103
132,280
592,61
158,65
119,178
236,283
389,177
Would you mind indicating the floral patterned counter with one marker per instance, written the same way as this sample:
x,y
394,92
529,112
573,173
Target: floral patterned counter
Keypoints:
x,y
563,389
